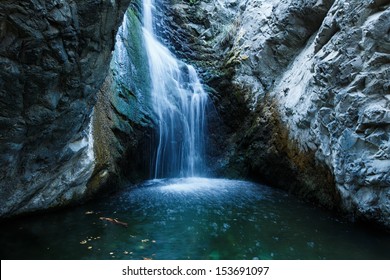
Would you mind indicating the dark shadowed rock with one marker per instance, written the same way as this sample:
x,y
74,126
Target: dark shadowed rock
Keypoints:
x,y
122,124
54,56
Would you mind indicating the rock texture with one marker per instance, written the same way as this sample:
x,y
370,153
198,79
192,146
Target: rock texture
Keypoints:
x,y
302,89
301,93
335,101
122,123
54,57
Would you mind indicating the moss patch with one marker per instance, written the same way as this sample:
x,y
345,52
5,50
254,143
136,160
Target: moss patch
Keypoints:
x,y
122,118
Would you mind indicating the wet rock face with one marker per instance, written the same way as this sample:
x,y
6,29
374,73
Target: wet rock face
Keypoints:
x,y
122,122
339,108
54,56
302,88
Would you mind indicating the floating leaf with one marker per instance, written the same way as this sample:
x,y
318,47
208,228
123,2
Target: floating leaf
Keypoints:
x,y
144,240
89,212
114,221
89,247
83,242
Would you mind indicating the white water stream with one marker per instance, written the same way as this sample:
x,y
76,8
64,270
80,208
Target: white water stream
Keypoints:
x,y
179,102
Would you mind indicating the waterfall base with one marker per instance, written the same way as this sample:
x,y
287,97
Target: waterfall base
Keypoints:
x,y
192,218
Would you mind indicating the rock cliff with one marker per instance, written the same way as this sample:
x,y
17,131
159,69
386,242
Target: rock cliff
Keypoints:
x,y
54,57
122,120
302,89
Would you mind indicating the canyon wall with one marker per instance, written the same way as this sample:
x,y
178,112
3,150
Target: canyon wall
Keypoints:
x,y
301,92
123,124
300,89
54,57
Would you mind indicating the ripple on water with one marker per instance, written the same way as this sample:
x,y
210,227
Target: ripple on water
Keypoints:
x,y
192,218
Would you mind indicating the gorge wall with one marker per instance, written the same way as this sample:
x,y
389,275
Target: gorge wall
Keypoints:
x,y
302,88
123,124
54,57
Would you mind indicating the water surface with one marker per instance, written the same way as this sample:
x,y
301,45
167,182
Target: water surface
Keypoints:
x,y
193,218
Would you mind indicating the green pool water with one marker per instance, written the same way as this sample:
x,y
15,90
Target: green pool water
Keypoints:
x,y
193,218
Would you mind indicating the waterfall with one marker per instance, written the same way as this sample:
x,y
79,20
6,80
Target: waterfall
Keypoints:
x,y
179,102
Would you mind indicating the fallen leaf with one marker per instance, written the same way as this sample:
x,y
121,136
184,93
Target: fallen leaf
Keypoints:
x,y
114,221
90,247
144,240
89,212
83,242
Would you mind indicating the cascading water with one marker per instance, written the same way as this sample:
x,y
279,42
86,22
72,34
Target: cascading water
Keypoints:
x,y
182,218
179,102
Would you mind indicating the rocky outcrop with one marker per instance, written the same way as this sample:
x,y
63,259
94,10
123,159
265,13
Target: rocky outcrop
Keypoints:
x,y
301,93
302,89
122,121
335,101
54,57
